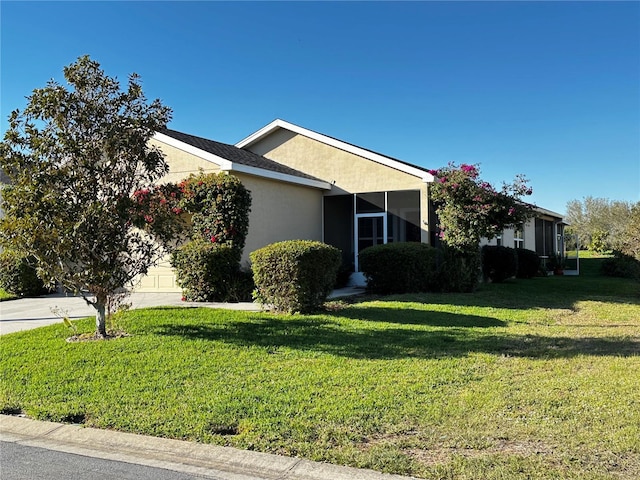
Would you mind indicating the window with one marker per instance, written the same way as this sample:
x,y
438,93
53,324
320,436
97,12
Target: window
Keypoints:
x,y
518,238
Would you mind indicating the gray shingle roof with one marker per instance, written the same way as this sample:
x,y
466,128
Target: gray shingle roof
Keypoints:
x,y
235,154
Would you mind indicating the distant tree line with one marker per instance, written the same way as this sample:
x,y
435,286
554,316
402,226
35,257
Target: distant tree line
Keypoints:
x,y
603,225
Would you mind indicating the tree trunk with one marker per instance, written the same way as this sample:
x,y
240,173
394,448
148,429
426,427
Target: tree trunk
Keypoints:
x,y
101,320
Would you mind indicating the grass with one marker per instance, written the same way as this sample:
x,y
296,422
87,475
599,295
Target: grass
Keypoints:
x,y
4,295
536,379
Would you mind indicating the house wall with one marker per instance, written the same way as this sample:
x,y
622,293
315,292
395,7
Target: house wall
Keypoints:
x,y
279,211
347,172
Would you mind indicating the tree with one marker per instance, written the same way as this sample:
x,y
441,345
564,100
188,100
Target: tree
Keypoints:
x,y
469,208
599,223
82,198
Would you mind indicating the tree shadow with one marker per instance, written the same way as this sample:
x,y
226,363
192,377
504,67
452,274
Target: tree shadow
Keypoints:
x,y
415,334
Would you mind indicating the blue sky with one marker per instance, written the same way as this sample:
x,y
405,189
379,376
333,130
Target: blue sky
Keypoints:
x,y
547,89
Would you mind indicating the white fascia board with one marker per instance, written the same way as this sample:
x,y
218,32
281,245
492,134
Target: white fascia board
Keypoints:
x,y
544,211
361,152
223,163
283,177
228,166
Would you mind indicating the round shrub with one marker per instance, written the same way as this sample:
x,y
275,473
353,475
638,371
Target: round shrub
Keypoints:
x,y
399,268
499,263
528,263
208,272
18,275
295,275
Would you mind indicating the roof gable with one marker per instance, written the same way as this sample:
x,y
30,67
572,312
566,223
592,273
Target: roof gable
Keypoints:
x,y
233,159
334,142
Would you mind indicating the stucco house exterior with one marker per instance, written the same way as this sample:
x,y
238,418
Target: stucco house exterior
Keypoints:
x,y
306,185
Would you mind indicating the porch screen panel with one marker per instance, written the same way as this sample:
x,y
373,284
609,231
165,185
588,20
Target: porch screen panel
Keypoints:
x,y
370,202
338,225
403,216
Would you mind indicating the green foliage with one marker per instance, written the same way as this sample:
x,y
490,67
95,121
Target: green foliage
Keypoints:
x,y
295,275
75,157
210,273
629,242
599,243
460,269
529,264
499,263
400,268
220,206
469,208
600,223
208,267
621,265
18,274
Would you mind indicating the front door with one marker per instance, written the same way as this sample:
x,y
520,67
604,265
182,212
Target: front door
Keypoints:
x,y
370,230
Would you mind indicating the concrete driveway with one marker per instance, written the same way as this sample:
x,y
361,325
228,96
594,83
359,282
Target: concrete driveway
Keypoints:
x,y
28,313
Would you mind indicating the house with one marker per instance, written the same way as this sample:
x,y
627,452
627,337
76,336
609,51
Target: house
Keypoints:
x,y
306,185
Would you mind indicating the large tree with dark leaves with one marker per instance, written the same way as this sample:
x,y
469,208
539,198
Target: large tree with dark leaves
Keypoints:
x,y
82,197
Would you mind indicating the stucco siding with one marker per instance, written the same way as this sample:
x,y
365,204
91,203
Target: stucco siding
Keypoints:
x,y
351,173
182,164
281,211
345,171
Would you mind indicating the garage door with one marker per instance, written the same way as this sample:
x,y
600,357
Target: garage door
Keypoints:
x,y
160,279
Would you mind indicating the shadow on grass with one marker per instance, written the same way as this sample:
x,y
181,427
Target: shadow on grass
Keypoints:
x,y
418,334
561,292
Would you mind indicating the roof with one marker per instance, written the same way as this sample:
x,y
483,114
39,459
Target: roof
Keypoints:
x,y
234,159
405,167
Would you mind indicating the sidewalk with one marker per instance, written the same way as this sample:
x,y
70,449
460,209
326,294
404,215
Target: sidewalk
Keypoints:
x,y
208,461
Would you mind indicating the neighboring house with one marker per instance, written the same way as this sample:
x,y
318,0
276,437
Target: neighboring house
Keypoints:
x,y
305,185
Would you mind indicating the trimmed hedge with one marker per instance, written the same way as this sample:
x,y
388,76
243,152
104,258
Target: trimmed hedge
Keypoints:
x,y
18,275
211,273
499,263
295,275
400,268
529,264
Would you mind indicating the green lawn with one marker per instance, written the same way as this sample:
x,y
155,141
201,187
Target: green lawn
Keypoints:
x,y
4,295
536,379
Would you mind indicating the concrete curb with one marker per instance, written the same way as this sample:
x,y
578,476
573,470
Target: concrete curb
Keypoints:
x,y
209,461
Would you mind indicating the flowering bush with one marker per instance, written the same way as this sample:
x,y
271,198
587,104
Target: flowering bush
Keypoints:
x,y
469,208
220,206
208,267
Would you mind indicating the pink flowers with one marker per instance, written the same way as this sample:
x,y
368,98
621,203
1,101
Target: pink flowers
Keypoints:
x,y
214,239
512,210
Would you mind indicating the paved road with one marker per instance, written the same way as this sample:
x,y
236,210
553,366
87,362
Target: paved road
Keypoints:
x,y
22,462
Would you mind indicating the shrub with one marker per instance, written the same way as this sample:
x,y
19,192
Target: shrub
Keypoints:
x,y
621,265
295,275
399,268
459,269
529,263
499,263
18,275
209,273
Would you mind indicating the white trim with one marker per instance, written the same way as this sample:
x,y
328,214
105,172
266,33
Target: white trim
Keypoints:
x,y
361,152
228,166
283,177
223,163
